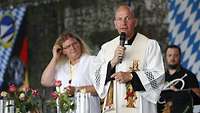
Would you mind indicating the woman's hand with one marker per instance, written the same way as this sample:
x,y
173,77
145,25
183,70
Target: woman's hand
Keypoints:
x,y
57,51
70,90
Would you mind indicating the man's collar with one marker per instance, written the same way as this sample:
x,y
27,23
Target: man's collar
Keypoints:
x,y
130,41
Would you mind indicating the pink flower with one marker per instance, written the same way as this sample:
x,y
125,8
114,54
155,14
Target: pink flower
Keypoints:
x,y
35,92
62,97
25,99
12,88
54,95
57,83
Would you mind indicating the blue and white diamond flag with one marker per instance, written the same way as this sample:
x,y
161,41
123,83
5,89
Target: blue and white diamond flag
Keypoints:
x,y
184,31
10,21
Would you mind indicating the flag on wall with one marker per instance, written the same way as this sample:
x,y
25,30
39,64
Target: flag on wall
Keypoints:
x,y
25,60
184,31
10,21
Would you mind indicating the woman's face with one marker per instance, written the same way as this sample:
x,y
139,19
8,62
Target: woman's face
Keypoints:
x,y
72,49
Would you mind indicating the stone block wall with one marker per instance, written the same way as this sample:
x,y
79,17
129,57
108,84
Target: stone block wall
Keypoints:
x,y
94,20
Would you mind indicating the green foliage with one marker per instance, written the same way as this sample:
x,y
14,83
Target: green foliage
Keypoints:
x,y
61,99
25,100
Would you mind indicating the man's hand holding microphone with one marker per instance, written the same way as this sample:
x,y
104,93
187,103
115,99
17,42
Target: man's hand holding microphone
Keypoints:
x,y
121,77
120,51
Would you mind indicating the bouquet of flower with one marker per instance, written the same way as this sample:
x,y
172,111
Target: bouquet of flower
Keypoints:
x,y
25,100
61,99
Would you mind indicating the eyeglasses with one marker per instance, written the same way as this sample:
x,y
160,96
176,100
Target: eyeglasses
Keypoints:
x,y
127,18
73,44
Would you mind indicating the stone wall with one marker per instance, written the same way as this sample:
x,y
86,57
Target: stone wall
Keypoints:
x,y
94,21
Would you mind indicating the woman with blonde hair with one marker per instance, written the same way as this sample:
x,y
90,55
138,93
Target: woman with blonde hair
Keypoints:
x,y
70,64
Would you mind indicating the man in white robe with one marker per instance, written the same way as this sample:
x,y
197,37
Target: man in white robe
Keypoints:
x,y
130,78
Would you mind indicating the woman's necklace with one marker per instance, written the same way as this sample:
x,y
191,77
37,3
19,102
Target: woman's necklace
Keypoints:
x,y
71,72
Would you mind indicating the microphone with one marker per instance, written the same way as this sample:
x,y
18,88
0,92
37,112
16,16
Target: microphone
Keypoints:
x,y
122,41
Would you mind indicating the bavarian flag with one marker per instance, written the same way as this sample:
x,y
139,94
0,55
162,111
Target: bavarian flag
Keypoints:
x,y
10,23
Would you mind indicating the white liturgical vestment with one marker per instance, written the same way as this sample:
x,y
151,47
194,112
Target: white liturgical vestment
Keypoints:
x,y
146,52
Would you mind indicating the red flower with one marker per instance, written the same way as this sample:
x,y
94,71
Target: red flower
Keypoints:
x,y
54,95
59,96
35,92
57,83
25,99
12,88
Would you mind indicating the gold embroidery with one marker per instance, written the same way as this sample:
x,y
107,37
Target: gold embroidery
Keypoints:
x,y
130,93
109,100
130,96
135,66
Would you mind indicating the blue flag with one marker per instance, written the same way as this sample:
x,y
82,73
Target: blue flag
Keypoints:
x,y
184,31
10,21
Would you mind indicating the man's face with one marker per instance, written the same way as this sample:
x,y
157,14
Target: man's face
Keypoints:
x,y
72,49
125,21
172,57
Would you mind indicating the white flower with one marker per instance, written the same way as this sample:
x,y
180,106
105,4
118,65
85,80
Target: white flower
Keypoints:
x,y
4,94
22,96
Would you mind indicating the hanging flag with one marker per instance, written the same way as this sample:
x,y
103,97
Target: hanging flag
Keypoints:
x,y
10,21
25,59
184,31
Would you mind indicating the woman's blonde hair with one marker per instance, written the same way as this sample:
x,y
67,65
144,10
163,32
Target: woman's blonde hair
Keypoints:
x,y
66,35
